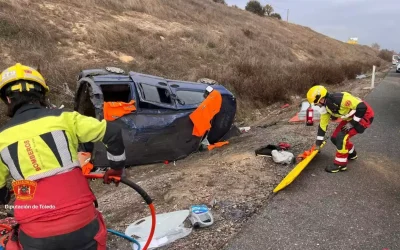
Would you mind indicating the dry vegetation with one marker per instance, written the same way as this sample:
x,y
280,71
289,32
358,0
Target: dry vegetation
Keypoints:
x,y
386,54
259,59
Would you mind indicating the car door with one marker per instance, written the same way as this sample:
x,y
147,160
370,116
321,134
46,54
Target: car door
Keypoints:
x,y
187,95
153,92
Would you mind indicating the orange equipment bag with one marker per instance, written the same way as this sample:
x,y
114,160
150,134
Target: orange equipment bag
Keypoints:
x,y
205,112
114,110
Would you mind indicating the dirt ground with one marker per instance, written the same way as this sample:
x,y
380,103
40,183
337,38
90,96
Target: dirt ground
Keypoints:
x,y
231,180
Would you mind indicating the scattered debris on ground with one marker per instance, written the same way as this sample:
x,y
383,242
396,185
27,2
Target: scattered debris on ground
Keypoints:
x,y
361,76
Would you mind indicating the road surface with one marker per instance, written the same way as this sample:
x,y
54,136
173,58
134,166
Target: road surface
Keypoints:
x,y
355,209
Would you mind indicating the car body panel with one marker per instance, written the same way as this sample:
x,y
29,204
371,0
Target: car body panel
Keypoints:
x,y
160,129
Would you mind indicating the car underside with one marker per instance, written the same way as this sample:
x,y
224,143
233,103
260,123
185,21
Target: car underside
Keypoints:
x,y
160,128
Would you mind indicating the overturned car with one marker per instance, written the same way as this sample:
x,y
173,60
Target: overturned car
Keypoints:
x,y
160,126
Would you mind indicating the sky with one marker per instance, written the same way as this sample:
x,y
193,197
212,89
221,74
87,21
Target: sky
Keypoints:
x,y
369,20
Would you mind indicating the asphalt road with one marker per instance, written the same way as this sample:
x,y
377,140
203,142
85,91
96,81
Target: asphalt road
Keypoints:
x,y
355,209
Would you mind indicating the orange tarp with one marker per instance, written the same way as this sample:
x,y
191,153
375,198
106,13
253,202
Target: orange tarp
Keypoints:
x,y
217,145
84,160
114,110
205,112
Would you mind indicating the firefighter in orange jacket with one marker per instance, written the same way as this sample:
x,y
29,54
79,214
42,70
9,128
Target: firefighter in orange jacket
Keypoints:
x,y
356,116
54,205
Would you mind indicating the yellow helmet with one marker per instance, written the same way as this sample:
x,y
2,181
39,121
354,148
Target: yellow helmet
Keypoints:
x,y
21,78
316,93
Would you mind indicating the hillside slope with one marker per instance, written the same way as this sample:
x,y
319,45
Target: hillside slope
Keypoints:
x,y
260,59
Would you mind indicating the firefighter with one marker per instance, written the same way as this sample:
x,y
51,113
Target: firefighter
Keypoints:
x,y
54,208
356,117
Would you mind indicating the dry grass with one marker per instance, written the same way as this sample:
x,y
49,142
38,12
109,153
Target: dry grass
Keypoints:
x,y
262,60
267,82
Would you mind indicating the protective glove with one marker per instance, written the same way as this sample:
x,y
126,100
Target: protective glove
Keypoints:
x,y
114,173
318,144
346,128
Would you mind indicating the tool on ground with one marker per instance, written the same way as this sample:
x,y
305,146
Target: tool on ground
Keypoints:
x,y
200,216
8,228
291,176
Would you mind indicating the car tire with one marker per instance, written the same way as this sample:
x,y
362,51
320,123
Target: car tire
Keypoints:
x,y
222,122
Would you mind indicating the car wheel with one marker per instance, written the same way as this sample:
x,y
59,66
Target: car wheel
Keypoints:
x,y
223,121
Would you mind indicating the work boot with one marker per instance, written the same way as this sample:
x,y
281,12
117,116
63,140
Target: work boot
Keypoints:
x,y
352,156
335,168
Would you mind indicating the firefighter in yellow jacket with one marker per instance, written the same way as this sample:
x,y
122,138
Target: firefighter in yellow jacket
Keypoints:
x,y
38,147
356,116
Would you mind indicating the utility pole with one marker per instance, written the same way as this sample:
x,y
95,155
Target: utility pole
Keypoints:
x,y
287,16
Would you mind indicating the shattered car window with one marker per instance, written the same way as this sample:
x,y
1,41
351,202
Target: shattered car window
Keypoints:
x,y
155,94
190,97
116,92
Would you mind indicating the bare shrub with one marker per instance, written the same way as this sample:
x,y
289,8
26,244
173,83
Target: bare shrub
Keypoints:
x,y
267,82
386,55
248,33
220,1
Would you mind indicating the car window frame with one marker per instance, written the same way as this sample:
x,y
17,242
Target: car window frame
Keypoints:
x,y
140,92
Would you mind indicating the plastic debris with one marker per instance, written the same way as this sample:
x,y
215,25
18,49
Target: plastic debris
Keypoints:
x,y
285,106
170,227
204,144
282,157
244,129
361,76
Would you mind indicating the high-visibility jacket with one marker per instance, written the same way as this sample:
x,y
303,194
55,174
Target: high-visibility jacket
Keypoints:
x,y
342,105
39,143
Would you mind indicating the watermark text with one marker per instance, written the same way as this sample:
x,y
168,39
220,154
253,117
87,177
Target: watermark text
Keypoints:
x,y
38,206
